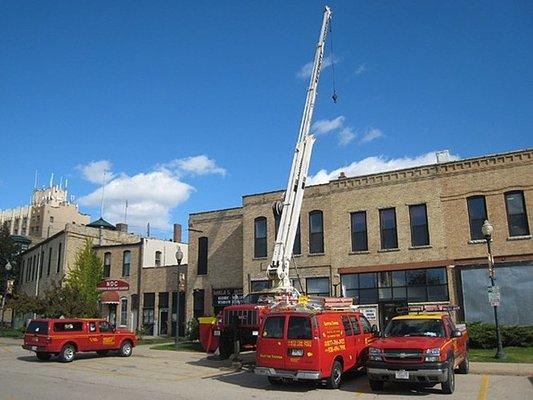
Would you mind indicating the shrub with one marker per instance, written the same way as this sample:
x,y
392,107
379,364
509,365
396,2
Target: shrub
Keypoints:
x,y
193,329
483,335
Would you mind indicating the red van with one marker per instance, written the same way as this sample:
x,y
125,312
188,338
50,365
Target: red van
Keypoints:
x,y
66,337
312,345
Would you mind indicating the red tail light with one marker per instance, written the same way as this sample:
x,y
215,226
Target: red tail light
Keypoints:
x,y
48,339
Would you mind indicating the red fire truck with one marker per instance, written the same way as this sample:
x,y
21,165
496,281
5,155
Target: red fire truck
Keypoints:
x,y
300,342
423,347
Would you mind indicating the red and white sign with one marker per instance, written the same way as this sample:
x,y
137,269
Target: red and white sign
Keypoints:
x,y
113,284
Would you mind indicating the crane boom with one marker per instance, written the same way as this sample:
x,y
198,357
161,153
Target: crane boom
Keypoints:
x,y
278,270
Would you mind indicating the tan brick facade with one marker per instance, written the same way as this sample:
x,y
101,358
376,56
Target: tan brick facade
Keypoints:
x,y
443,188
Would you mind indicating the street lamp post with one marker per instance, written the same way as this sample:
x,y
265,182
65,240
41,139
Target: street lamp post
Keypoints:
x,y
487,230
179,258
7,268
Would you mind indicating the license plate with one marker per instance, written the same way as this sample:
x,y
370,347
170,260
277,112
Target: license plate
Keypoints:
x,y
255,333
402,374
34,348
216,333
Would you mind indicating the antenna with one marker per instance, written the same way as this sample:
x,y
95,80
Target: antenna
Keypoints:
x,y
102,199
148,229
126,212
52,179
36,180
60,182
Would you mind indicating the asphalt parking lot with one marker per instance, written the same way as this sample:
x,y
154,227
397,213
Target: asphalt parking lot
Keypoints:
x,y
153,374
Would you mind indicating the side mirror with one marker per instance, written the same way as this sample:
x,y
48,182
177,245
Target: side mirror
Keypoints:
x,y
457,333
375,329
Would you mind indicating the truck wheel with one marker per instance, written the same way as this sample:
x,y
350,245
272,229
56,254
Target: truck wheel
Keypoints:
x,y
464,367
275,381
43,356
225,348
376,386
449,386
334,380
126,348
67,354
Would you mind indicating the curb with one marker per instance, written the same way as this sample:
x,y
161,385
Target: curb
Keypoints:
x,y
514,369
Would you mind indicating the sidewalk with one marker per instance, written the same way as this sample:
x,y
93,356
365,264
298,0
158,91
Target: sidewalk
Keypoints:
x,y
493,368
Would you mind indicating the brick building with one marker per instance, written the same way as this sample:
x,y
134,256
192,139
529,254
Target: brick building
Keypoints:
x,y
411,234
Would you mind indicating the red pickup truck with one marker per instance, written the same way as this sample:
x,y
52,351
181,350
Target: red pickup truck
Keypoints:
x,y
419,348
65,337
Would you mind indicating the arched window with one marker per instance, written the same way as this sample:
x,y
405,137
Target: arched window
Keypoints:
x,y
202,255
157,258
316,232
123,311
297,247
477,214
260,237
107,265
126,262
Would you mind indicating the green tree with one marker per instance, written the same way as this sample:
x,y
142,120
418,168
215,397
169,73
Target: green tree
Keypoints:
x,y
8,252
83,278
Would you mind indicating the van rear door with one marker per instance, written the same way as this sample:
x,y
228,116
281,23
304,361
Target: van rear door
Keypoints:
x,y
271,346
302,349
36,333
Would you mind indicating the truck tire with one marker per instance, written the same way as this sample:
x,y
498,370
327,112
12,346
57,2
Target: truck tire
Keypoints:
x,y
67,354
449,386
43,356
126,348
334,380
275,381
225,347
464,367
376,386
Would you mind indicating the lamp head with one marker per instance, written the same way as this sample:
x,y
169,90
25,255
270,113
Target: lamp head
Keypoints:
x,y
179,255
8,266
487,229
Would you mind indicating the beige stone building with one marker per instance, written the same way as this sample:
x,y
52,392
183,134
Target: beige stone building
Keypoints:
x,y
49,212
411,235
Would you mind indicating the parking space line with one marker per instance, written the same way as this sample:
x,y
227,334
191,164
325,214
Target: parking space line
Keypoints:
x,y
483,388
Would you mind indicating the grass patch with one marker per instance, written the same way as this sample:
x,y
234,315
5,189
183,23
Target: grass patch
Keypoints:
x,y
514,355
11,333
183,346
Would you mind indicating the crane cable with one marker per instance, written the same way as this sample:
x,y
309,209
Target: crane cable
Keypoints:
x,y
334,96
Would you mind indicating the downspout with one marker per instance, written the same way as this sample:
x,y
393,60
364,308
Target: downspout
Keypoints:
x,y
139,280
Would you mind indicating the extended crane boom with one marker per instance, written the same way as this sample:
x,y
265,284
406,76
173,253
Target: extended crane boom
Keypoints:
x,y
278,270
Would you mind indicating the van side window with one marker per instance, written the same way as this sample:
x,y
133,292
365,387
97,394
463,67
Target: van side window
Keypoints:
x,y
68,327
367,328
92,326
355,325
105,326
299,328
274,327
347,326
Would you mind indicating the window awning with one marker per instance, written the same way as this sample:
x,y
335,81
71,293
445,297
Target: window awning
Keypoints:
x,y
110,297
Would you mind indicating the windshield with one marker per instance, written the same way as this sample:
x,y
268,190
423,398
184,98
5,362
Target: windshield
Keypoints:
x,y
415,327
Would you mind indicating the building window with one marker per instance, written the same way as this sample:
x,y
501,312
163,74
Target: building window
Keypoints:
x,y
157,258
419,225
198,303
359,231
389,235
260,237
126,262
58,259
414,285
148,313
516,213
22,270
477,214
257,286
49,261
123,312
202,255
41,265
297,247
316,232
317,286
107,265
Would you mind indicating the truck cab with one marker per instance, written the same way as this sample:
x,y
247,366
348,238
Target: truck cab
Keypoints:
x,y
422,348
312,345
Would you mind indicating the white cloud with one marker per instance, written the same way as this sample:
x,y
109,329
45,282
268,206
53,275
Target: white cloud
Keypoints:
x,y
361,69
370,135
327,125
372,165
95,170
346,135
307,69
196,165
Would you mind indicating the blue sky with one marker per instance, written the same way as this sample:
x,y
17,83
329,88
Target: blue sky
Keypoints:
x,y
189,106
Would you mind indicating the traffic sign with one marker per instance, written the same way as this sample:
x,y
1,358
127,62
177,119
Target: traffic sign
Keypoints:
x,y
494,295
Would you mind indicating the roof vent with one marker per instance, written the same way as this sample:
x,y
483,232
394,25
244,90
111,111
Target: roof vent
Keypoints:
x,y
342,175
443,156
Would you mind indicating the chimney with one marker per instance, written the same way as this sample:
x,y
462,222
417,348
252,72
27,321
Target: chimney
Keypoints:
x,y
122,227
443,156
342,175
177,233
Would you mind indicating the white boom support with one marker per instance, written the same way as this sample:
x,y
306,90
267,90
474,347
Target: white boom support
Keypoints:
x,y
278,270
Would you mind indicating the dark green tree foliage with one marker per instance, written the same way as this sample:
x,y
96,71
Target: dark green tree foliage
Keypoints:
x,y
8,251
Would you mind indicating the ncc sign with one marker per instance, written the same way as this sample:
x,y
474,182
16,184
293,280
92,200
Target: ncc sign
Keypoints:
x,y
113,284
